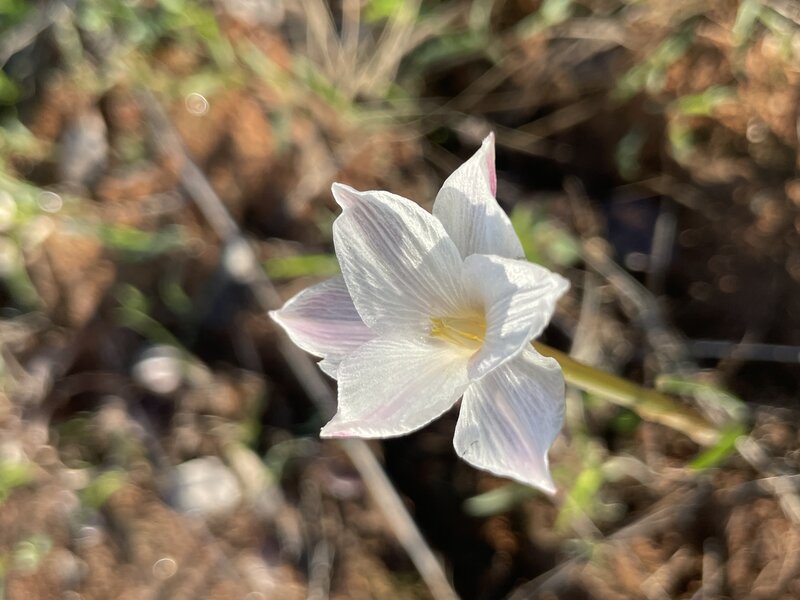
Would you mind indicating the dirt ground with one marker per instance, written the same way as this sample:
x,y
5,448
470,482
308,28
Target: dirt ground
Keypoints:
x,y
156,441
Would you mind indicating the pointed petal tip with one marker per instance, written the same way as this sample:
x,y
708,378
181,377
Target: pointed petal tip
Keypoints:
x,y
329,430
329,367
339,429
488,148
331,434
282,317
562,284
487,151
550,489
336,427
545,484
344,195
541,481
509,420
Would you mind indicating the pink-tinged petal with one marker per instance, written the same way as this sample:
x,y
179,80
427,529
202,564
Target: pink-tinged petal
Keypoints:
x,y
489,164
323,321
518,299
467,208
510,418
399,264
393,386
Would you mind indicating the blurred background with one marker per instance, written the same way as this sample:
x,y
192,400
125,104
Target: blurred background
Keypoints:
x,y
165,168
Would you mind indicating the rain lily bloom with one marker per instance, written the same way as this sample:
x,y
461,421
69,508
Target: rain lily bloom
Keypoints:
x,y
431,308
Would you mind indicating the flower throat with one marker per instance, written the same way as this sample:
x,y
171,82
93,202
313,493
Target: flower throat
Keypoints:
x,y
466,332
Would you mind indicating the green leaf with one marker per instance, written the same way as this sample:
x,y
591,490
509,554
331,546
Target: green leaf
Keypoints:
x,y
9,89
498,500
582,496
175,297
746,19
100,489
132,298
681,139
377,11
17,281
651,73
733,406
716,454
29,553
543,241
307,265
14,11
136,244
704,103
628,152
133,314
550,13
20,141
12,476
626,422
93,16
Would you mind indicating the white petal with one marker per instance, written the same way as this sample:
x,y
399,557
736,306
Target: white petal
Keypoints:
x,y
392,386
330,367
518,298
323,321
467,208
398,262
510,418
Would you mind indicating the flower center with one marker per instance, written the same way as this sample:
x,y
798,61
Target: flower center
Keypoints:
x,y
467,331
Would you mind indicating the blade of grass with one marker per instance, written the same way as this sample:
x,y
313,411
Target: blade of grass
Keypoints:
x,y
717,453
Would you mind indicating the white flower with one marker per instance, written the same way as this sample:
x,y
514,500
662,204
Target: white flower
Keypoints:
x,y
430,308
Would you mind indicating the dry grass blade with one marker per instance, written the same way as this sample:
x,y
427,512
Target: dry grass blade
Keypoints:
x,y
783,487
668,346
306,373
661,584
712,571
351,32
391,47
355,63
321,42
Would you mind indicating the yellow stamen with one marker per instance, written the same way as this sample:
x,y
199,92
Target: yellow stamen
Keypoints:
x,y
467,331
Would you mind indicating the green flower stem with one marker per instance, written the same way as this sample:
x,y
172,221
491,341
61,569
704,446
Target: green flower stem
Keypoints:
x,y
649,404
